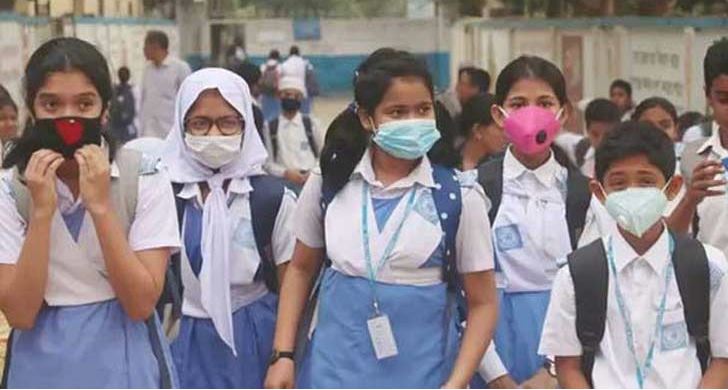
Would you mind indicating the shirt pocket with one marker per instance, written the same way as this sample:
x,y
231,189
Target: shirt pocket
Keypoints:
x,y
673,331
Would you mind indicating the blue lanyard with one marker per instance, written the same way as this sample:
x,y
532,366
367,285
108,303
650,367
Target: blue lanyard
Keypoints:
x,y
371,271
643,369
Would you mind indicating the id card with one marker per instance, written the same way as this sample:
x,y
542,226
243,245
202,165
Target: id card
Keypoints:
x,y
380,332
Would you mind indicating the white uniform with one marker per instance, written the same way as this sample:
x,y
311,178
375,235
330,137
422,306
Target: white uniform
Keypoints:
x,y
294,150
641,281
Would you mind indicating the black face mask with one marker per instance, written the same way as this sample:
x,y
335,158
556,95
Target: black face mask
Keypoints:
x,y
66,135
290,104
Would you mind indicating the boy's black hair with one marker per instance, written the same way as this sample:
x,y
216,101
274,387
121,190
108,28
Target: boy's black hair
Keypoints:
x,y
476,112
124,75
653,102
295,51
715,63
478,77
158,37
633,139
602,110
688,120
248,71
622,84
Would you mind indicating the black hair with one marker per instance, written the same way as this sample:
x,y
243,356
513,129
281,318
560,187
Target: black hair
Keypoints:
x,y
476,112
653,102
602,110
295,51
274,54
634,139
158,37
346,139
124,74
6,99
478,77
248,71
443,151
715,63
622,84
59,55
530,67
688,120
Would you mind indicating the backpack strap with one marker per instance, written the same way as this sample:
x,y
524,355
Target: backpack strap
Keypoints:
x,y
490,177
448,203
706,128
273,132
578,198
265,202
173,291
692,274
590,275
308,128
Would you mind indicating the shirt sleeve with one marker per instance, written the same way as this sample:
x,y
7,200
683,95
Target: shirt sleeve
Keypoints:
x,y
283,239
491,367
718,302
271,166
184,71
309,224
559,330
12,227
155,223
474,244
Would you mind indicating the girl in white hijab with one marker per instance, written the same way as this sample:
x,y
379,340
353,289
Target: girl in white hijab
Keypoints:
x,y
230,264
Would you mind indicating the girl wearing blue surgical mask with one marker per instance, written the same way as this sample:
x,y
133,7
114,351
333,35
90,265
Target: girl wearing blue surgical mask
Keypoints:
x,y
540,202
236,237
401,237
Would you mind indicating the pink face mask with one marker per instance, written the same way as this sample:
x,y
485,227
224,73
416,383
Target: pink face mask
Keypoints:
x,y
531,129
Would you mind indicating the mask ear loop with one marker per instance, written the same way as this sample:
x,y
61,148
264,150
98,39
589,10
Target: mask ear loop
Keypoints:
x,y
504,112
559,114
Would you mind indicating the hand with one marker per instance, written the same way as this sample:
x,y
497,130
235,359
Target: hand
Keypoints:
x,y
40,177
281,375
704,180
94,178
451,385
503,382
295,177
542,380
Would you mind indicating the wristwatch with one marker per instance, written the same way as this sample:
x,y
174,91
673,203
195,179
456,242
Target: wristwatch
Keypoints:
x,y
277,355
550,366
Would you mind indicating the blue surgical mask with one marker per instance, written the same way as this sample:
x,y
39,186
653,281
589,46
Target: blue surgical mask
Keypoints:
x,y
637,209
407,139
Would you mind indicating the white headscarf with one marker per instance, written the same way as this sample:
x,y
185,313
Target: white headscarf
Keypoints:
x,y
183,168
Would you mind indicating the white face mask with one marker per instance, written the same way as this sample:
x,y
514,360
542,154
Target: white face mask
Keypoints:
x,y
214,151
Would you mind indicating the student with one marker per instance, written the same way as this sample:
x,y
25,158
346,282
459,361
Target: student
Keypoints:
x,y
385,209
620,93
633,296
483,138
251,74
84,266
601,115
472,81
705,207
8,119
122,112
270,76
293,139
214,156
539,206
661,113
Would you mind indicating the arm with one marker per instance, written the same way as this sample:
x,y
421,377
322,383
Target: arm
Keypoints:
x,y
568,370
23,281
482,314
701,186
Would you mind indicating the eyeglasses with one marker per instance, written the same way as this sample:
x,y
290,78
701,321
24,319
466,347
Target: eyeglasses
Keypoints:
x,y
227,125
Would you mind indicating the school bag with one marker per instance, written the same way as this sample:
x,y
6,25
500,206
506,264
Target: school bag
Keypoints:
x,y
590,274
265,202
307,127
122,112
580,151
269,80
124,193
578,197
448,204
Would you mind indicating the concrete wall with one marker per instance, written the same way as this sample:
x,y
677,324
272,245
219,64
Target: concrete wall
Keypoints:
x,y
659,56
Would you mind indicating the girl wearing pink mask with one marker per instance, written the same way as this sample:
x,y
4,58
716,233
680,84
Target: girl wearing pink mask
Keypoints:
x,y
539,204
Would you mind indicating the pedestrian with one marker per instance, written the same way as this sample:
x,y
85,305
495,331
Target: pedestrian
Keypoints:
x,y
620,93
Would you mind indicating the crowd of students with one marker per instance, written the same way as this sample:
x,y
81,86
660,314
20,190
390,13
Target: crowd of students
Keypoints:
x,y
406,247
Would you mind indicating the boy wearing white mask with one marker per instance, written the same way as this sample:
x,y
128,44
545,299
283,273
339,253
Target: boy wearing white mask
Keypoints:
x,y
235,223
293,139
640,308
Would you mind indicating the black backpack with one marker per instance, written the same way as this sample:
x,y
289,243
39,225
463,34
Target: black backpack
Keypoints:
x,y
590,274
578,197
122,111
307,127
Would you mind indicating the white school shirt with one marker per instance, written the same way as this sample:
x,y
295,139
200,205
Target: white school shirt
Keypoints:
x,y
713,210
641,280
294,150
421,233
530,231
244,256
154,226
158,93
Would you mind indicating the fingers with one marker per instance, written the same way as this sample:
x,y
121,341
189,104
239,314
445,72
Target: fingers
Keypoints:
x,y
53,166
83,165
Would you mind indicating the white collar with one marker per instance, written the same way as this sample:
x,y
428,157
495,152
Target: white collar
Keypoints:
x,y
657,256
713,143
239,186
422,174
546,173
296,120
